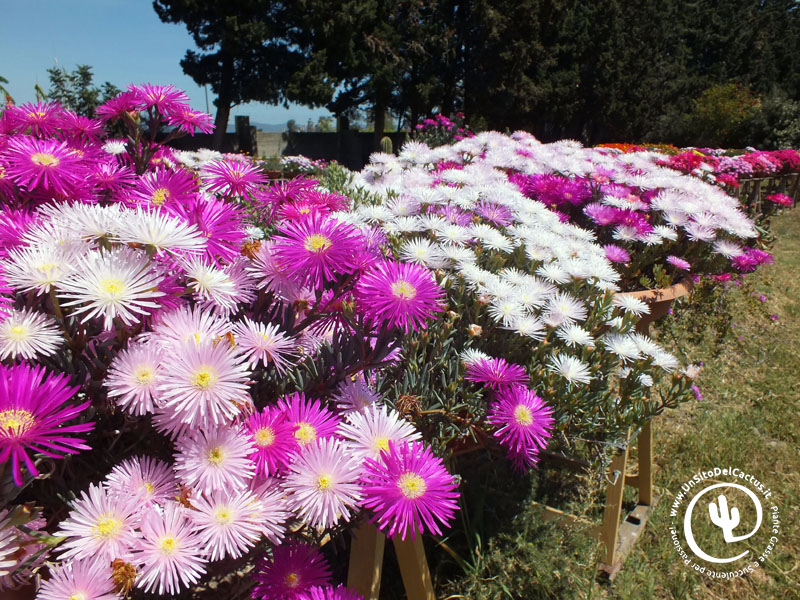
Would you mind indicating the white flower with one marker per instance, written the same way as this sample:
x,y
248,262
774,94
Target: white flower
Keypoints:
x,y
422,252
159,230
553,272
529,327
25,333
114,147
118,283
40,268
505,311
666,361
570,368
631,304
727,248
622,345
470,356
575,335
563,308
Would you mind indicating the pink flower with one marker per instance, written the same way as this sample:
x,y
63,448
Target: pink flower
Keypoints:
x,y
334,593
316,249
215,460
40,119
170,554
309,419
495,373
233,177
523,423
118,106
679,263
409,490
43,167
265,343
84,579
152,479
204,384
322,483
174,190
189,120
220,223
274,441
133,377
101,526
291,572
31,414
163,98
227,523
400,295
616,253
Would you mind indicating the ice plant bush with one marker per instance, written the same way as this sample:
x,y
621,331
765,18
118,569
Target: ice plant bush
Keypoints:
x,y
188,362
534,348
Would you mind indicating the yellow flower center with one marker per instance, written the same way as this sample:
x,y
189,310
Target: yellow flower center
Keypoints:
x,y
292,580
522,415
18,333
223,515
412,485
380,443
144,374
45,159
324,482
112,287
306,433
77,596
404,290
45,268
149,488
216,455
168,545
204,378
159,196
107,527
317,242
15,422
304,211
264,437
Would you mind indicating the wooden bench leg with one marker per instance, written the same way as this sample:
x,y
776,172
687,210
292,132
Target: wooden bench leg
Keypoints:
x,y
646,464
366,561
414,568
613,509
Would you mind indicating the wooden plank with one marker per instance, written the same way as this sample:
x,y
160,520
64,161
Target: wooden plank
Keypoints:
x,y
629,533
562,518
645,448
613,508
366,560
414,568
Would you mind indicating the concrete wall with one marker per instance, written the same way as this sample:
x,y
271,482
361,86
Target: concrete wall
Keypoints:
x,y
269,143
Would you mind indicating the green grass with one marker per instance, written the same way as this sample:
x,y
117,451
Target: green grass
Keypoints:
x,y
748,417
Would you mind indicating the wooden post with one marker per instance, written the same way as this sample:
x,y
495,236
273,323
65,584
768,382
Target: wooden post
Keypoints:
x,y
613,509
366,560
414,568
645,443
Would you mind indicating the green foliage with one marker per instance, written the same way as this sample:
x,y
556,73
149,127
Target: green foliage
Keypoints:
x,y
76,92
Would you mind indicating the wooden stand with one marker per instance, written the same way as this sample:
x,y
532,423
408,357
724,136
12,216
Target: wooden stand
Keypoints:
x,y
618,535
366,564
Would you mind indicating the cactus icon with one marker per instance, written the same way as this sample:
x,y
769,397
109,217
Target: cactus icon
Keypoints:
x,y
724,518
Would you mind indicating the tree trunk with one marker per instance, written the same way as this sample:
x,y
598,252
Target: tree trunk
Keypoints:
x,y
224,101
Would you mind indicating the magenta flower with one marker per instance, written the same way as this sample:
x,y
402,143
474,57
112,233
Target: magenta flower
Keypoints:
x,y
317,249
220,223
523,422
118,106
679,263
163,98
291,572
334,593
43,167
602,214
40,119
402,295
780,199
174,190
495,373
616,253
170,553
81,129
189,120
496,213
309,419
274,441
31,414
233,177
409,490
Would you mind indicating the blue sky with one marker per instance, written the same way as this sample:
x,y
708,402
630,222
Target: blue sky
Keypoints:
x,y
123,40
